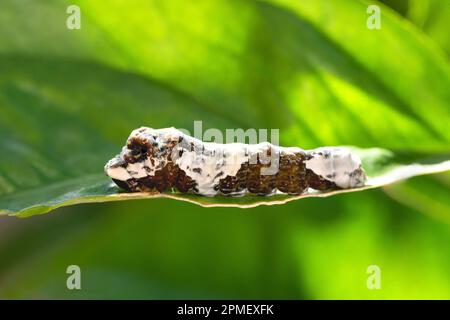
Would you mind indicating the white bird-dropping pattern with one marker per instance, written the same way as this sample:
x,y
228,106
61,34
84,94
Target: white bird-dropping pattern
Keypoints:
x,y
338,165
210,162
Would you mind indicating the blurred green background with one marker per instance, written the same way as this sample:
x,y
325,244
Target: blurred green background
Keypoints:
x,y
69,98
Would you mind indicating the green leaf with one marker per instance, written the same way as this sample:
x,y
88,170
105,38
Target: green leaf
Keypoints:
x,y
426,194
69,98
432,17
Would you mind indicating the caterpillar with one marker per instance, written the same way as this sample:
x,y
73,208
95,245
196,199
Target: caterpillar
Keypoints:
x,y
167,159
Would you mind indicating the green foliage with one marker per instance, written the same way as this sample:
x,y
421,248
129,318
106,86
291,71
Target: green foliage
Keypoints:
x,y
70,111
432,17
69,98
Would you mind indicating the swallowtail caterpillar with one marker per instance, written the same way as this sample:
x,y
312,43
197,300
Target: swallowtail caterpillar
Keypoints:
x,y
162,159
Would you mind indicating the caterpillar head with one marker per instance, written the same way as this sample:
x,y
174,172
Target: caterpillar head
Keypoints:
x,y
147,150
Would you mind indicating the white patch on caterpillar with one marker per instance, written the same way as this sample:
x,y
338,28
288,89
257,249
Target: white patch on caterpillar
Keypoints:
x,y
207,163
338,165
114,170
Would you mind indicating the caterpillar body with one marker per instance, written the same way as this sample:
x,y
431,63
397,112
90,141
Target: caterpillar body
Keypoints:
x,y
162,159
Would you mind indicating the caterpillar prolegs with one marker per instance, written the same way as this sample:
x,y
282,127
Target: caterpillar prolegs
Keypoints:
x,y
162,159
